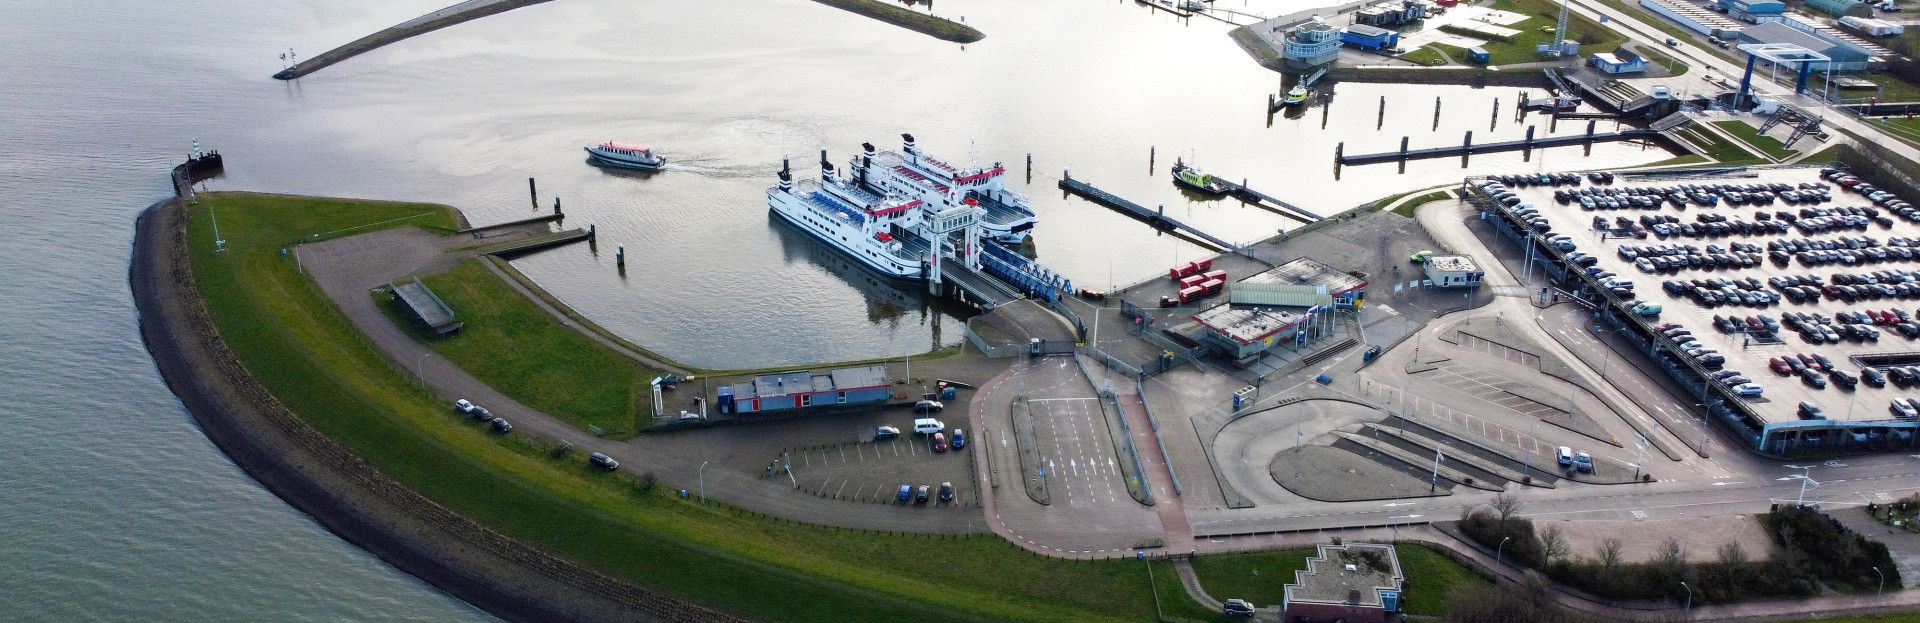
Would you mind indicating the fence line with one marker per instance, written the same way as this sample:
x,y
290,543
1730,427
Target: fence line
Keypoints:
x,y
1154,423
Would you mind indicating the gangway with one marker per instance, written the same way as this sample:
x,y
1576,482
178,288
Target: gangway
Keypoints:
x,y
982,290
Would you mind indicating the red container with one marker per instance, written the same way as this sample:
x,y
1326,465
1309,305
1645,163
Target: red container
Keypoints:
x,y
1192,280
1203,265
1213,286
1174,274
1189,294
1216,274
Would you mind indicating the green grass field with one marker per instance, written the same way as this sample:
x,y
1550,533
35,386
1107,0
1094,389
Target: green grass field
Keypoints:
x,y
515,347
1592,36
1427,55
298,345
1753,138
1435,578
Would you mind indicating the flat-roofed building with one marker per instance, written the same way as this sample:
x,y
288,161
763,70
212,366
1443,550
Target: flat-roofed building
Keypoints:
x,y
1453,271
1354,582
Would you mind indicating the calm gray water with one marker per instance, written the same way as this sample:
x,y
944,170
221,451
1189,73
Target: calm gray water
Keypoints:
x,y
116,508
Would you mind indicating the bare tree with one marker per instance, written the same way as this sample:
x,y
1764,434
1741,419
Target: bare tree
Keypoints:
x,y
1731,556
1553,544
1610,552
1506,505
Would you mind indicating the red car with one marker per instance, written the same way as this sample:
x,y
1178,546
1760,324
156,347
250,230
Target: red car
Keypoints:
x,y
939,442
1779,365
1808,361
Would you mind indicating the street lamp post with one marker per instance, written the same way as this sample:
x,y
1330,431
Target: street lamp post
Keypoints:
x,y
419,364
1883,583
703,482
1500,551
1689,606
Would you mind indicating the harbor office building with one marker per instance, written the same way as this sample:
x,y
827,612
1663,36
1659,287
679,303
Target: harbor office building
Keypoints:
x,y
1453,271
1292,302
804,389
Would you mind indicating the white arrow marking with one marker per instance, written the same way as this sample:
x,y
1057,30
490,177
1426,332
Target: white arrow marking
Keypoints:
x,y
1405,516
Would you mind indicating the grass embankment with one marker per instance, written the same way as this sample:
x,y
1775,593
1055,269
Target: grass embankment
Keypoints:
x,y
1428,55
513,346
1261,577
1659,57
1904,129
1717,147
923,23
1407,209
300,347
1537,29
1752,137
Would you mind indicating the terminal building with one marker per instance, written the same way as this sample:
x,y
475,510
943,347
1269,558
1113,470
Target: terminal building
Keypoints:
x,y
1370,37
1295,301
1391,14
1354,582
803,390
1619,61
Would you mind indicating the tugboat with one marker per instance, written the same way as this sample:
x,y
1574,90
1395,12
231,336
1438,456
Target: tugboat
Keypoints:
x,y
1197,180
624,156
1295,96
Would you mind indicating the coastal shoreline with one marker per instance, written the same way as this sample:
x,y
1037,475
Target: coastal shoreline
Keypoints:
x,y
449,16
339,489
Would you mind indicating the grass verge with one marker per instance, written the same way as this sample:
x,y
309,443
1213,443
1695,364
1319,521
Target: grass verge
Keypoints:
x,y
1406,209
1752,137
304,350
1538,29
513,346
1717,147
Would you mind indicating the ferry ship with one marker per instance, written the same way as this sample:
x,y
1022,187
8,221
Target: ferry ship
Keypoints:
x,y
911,173
881,230
625,156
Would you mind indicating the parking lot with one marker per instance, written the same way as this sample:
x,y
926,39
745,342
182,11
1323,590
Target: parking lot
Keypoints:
x,y
874,471
1746,252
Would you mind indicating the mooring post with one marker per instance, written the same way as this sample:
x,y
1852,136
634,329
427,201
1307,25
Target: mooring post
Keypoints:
x,y
1436,113
533,194
1529,137
1029,165
1380,120
1151,156
593,232
1553,122
1339,153
1495,121
620,257
1590,123
1466,147
556,204
1403,148
1272,104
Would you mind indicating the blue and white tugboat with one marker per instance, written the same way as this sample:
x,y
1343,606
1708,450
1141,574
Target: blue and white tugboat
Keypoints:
x,y
625,156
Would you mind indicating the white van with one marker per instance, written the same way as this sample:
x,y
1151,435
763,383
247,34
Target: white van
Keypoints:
x,y
928,426
1566,456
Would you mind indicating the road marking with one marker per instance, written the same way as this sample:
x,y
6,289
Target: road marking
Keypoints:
x,y
1638,514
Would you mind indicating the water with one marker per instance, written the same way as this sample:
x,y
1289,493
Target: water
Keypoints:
x,y
116,507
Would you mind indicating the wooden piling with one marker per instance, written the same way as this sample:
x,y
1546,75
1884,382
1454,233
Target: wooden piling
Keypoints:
x,y
1495,121
556,205
1436,114
1403,148
1380,119
1466,146
620,258
533,194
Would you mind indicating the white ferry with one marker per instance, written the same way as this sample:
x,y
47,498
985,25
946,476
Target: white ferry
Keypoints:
x,y
625,156
939,186
879,230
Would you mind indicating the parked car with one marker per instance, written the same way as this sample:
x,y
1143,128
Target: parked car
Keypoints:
x,y
500,425
603,461
1903,408
938,442
959,439
928,426
883,433
1873,377
1749,390
1239,609
946,492
920,495
928,406
1810,411
463,406
906,494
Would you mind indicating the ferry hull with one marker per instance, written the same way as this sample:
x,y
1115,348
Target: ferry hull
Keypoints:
x,y
908,273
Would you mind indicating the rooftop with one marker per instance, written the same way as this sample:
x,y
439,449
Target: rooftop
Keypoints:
x,y
1246,324
1350,574
1452,263
1308,271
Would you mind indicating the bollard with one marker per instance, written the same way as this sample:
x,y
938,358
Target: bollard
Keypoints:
x,y
1436,113
556,204
1403,148
533,194
1380,119
620,257
1495,121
